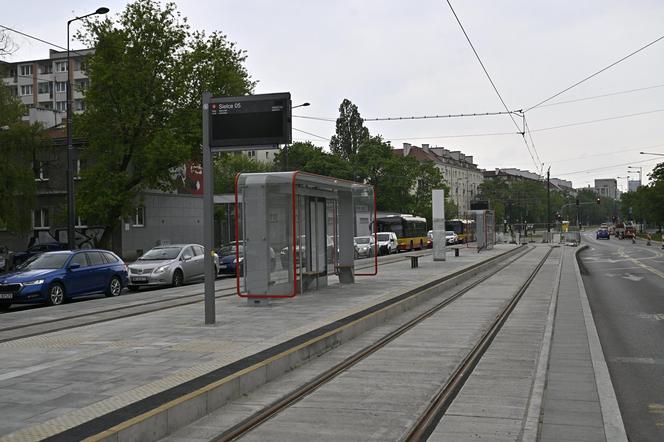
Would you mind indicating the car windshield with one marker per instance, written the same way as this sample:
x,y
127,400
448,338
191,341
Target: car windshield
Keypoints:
x,y
383,237
45,261
363,240
161,254
449,233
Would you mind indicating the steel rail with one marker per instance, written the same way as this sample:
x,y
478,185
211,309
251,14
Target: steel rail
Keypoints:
x,y
296,395
428,420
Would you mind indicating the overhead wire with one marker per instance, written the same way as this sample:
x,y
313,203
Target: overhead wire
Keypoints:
x,y
312,134
521,130
610,94
581,123
595,74
609,167
39,39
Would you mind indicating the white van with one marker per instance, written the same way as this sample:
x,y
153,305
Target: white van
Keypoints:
x,y
387,243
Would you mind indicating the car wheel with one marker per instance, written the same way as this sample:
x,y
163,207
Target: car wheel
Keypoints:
x,y
178,278
114,287
133,288
5,306
56,294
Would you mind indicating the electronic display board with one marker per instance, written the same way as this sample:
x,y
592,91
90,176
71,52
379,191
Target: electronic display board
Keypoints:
x,y
251,120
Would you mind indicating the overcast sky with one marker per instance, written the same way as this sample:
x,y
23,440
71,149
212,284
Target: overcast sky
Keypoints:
x,y
394,58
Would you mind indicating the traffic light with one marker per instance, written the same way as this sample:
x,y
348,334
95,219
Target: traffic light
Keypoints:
x,y
598,200
577,201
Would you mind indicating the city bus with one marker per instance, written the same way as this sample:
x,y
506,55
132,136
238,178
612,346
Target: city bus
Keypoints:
x,y
464,228
411,230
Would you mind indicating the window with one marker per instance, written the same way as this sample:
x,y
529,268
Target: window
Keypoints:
x,y
79,259
82,84
110,258
95,258
188,251
79,105
46,68
42,87
26,89
198,250
61,106
60,66
251,153
139,217
60,86
79,64
40,219
25,70
79,165
40,170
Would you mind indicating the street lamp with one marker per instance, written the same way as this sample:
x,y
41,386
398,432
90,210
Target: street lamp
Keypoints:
x,y
652,153
71,211
287,147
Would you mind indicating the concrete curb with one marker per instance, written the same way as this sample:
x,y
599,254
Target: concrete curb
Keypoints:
x,y
532,421
614,428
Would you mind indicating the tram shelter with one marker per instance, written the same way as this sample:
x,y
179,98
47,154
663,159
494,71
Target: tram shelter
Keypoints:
x,y
297,230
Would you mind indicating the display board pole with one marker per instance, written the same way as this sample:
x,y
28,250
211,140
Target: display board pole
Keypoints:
x,y
208,214
438,224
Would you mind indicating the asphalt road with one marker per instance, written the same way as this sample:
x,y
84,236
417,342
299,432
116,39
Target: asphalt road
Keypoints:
x,y
625,286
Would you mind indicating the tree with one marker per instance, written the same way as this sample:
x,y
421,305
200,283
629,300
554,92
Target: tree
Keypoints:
x,y
143,116
20,145
351,132
227,166
428,178
307,157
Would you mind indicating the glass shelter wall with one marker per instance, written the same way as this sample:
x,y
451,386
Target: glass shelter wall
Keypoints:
x,y
299,229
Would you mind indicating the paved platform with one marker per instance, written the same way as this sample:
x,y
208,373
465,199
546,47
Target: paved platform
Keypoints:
x,y
148,376
79,382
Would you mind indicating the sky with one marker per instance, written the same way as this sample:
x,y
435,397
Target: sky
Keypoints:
x,y
401,59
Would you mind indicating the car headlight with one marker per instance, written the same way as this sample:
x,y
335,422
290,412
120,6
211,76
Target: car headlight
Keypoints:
x,y
161,269
35,282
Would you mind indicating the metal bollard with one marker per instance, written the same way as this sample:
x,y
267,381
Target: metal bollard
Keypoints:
x,y
456,251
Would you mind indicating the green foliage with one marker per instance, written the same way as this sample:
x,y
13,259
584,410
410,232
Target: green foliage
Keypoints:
x,y
647,203
351,132
143,114
227,166
309,158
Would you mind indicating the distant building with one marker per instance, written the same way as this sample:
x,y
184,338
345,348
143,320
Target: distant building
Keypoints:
x,y
633,185
459,172
42,84
262,155
607,187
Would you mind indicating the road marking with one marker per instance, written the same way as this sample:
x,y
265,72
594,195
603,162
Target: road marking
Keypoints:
x,y
639,263
645,361
658,411
652,316
631,277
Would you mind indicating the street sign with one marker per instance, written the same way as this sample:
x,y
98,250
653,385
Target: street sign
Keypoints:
x,y
253,120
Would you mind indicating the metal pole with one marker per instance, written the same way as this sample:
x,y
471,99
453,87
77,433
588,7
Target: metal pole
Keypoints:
x,y
208,214
548,200
71,211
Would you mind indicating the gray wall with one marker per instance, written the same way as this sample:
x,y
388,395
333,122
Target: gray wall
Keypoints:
x,y
169,218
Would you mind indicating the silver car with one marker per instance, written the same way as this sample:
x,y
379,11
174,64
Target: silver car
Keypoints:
x,y
169,265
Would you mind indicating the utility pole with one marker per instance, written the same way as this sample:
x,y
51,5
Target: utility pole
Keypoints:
x,y
548,200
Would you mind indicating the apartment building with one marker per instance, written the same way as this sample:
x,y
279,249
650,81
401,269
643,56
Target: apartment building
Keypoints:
x,y
607,187
42,84
459,172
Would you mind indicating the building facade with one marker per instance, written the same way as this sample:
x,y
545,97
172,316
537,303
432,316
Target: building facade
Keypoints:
x,y
41,84
607,187
633,185
459,172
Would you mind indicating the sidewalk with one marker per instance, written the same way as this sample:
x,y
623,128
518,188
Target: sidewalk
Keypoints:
x,y
79,382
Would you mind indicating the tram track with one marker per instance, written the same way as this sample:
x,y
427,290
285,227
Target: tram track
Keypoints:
x,y
443,397
20,331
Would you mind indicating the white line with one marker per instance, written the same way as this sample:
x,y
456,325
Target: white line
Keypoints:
x,y
614,428
532,420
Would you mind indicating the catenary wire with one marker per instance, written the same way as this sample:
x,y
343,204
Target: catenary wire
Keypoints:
x,y
613,152
609,167
595,74
610,94
581,123
312,134
521,130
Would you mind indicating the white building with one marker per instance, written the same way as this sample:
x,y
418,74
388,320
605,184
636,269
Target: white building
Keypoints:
x,y
459,172
607,187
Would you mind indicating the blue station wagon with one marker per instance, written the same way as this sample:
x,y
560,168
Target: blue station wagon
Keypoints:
x,y
54,277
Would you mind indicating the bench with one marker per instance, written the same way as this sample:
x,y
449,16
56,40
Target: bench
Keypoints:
x,y
414,259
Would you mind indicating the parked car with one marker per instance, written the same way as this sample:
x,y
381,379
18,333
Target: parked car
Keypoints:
x,y
387,243
172,265
451,237
228,262
603,233
54,277
285,253
21,257
364,246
